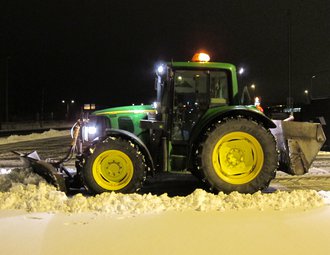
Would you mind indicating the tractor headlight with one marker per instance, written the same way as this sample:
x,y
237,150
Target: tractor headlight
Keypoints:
x,y
94,127
91,130
89,133
160,69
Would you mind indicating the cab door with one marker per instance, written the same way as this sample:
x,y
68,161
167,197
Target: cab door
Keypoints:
x,y
190,101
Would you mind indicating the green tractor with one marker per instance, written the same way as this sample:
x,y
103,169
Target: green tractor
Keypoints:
x,y
196,124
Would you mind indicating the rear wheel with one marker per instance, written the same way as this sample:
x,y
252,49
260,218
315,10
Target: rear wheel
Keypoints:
x,y
238,155
114,165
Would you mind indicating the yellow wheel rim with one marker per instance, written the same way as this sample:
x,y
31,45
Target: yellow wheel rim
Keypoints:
x,y
112,170
237,158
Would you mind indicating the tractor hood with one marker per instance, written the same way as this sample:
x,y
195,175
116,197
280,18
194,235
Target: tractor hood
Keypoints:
x,y
126,110
123,118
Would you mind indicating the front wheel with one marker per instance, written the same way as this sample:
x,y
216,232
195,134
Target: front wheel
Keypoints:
x,y
114,165
238,155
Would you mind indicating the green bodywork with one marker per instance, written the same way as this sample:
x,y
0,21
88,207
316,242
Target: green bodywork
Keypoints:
x,y
179,151
134,112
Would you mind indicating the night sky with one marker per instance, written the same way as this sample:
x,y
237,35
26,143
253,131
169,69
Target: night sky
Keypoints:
x,y
104,52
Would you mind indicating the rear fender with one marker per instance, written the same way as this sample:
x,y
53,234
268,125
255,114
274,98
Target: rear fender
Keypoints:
x,y
218,116
247,113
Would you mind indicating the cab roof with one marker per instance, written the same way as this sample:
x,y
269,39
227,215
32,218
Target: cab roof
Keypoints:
x,y
206,65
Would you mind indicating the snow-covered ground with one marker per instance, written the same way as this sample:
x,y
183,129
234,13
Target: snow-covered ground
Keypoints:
x,y
34,136
37,219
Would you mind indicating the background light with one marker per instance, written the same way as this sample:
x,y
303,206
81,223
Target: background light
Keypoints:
x,y
241,70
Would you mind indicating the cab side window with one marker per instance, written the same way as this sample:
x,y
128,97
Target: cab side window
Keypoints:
x,y
219,88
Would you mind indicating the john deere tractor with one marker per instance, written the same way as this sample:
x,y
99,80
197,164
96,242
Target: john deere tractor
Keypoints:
x,y
196,124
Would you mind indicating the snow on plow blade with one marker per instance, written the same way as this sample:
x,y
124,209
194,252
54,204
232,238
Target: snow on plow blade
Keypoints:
x,y
44,169
298,144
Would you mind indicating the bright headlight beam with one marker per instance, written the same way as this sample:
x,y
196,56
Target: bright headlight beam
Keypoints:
x,y
92,130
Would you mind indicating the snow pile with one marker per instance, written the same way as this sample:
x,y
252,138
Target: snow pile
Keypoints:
x,y
18,176
42,197
34,136
324,153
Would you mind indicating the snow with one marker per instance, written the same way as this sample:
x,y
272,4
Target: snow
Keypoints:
x,y
50,222
23,190
35,218
33,136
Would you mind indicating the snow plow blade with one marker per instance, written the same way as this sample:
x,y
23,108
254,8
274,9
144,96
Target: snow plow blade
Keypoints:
x,y
44,169
298,144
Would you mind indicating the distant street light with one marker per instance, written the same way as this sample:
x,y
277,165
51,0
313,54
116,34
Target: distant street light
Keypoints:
x,y
241,71
307,97
68,102
311,88
253,89
243,90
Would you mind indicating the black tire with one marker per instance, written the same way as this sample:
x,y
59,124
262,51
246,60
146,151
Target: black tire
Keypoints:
x,y
114,165
238,155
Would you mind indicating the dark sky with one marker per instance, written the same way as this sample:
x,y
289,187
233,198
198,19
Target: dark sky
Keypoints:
x,y
105,51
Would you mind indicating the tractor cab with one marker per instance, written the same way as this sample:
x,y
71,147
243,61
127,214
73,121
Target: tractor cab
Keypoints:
x,y
187,94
